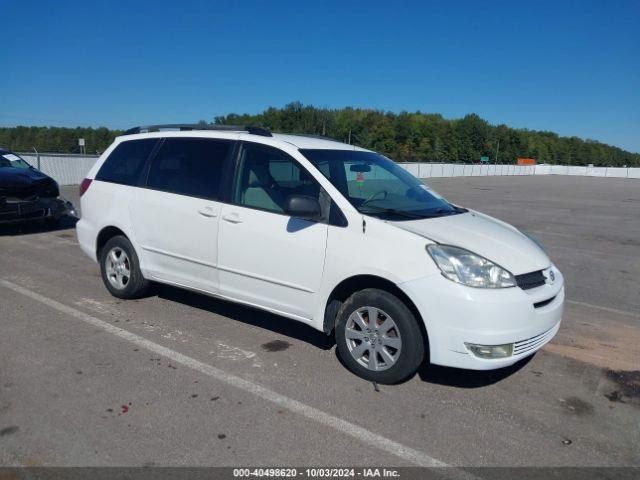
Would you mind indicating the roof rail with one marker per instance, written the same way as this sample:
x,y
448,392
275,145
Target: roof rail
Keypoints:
x,y
319,137
265,132
196,126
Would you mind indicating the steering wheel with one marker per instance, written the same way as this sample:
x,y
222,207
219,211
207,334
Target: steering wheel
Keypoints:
x,y
374,195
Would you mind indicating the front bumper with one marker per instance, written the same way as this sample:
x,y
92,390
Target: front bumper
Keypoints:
x,y
40,209
455,315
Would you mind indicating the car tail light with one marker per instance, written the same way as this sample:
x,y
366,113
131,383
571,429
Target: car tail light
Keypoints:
x,y
84,185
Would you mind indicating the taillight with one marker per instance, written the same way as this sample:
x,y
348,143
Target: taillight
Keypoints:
x,y
84,185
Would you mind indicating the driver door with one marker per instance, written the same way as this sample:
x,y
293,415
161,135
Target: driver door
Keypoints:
x,y
267,258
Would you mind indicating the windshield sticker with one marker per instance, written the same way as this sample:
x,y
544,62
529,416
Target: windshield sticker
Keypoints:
x,y
432,192
11,157
360,177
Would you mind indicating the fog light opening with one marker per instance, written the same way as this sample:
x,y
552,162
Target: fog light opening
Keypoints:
x,y
490,351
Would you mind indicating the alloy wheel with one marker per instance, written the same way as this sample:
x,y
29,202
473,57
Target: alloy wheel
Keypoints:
x,y
118,268
373,338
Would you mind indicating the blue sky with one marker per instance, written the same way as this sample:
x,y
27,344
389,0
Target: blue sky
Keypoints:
x,y
569,67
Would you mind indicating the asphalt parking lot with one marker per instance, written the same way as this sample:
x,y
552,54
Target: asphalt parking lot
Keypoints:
x,y
183,379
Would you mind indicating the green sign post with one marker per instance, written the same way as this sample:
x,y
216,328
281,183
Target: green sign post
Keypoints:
x,y
484,159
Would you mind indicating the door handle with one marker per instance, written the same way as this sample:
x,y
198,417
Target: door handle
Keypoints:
x,y
207,212
232,218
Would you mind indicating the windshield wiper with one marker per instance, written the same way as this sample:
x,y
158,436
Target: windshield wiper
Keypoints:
x,y
393,211
458,209
443,212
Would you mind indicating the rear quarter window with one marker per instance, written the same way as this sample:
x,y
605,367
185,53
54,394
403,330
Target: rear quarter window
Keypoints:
x,y
189,166
126,162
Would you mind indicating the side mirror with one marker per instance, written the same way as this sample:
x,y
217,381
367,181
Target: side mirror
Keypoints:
x,y
303,207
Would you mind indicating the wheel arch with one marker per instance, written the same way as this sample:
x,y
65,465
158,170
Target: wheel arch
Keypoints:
x,y
105,234
353,284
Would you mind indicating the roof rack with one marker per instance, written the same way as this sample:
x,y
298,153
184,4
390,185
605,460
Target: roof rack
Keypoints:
x,y
196,126
319,137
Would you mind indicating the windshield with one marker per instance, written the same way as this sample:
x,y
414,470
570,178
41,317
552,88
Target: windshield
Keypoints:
x,y
377,186
11,160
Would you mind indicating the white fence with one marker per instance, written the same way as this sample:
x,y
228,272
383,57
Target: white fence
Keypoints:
x,y
66,169
435,170
71,169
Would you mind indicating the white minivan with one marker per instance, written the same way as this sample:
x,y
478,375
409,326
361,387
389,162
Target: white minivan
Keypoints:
x,y
335,236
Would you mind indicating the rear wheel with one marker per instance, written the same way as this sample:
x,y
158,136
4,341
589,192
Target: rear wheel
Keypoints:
x,y
378,337
120,269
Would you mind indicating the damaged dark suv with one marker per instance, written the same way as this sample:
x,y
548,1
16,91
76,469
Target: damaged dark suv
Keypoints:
x,y
26,194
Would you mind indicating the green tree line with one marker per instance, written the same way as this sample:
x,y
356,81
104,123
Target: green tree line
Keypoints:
x,y
417,136
404,136
56,139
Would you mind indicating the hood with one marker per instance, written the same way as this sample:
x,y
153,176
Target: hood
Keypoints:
x,y
19,181
493,239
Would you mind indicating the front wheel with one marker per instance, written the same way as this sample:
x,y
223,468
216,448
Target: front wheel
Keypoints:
x,y
378,337
120,269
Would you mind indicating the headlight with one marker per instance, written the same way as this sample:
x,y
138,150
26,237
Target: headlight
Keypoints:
x,y
462,266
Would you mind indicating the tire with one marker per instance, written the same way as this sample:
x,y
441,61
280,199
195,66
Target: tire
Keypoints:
x,y
398,347
120,269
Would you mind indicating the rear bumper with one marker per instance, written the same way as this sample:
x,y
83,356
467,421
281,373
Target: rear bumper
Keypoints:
x,y
41,209
455,315
86,238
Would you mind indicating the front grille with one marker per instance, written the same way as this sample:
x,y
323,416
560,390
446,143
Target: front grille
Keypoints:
x,y
28,208
29,215
544,303
530,280
523,346
12,211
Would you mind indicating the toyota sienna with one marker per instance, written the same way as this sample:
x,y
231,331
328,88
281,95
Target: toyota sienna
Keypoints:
x,y
328,234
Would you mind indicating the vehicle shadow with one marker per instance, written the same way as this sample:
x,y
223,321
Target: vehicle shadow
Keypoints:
x,y
245,314
447,376
30,228
460,378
